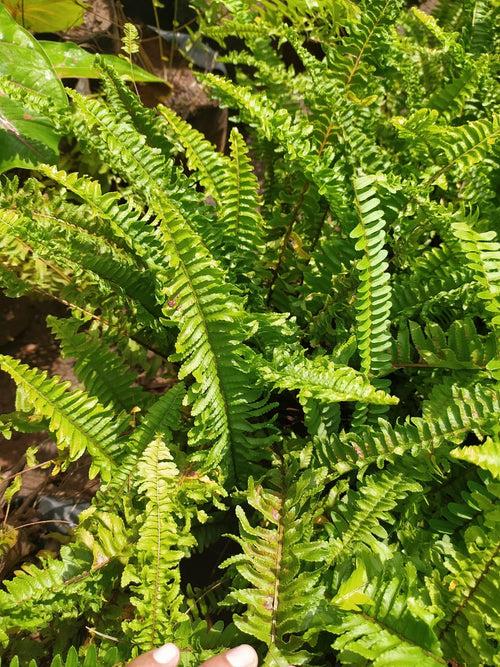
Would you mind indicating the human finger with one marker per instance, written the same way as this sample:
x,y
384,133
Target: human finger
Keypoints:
x,y
165,656
241,656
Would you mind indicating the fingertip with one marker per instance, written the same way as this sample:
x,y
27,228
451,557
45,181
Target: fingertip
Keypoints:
x,y
168,654
242,656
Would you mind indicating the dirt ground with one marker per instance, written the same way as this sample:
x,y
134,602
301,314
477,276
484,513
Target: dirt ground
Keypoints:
x,y
25,336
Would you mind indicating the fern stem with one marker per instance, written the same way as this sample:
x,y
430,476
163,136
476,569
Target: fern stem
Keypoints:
x,y
286,239
279,555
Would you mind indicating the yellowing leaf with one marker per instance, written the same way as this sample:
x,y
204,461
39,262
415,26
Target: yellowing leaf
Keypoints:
x,y
46,16
8,538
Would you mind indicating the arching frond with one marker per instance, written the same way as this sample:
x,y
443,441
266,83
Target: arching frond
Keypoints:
x,y
482,251
322,379
240,218
357,518
486,455
209,165
196,296
461,411
98,369
79,422
468,596
387,629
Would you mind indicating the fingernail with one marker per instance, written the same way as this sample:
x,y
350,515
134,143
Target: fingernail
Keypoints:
x,y
165,654
242,656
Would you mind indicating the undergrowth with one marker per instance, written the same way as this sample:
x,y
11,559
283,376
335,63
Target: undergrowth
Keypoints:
x,y
328,293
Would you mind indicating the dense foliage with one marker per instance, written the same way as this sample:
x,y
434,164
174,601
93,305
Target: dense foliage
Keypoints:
x,y
328,292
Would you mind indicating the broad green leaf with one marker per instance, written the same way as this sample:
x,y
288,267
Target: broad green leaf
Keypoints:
x,y
46,15
24,61
70,60
26,138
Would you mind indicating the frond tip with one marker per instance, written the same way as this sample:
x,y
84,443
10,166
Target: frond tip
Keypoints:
x,y
321,379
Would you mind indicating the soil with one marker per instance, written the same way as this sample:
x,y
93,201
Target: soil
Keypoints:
x,y
184,94
24,335
99,19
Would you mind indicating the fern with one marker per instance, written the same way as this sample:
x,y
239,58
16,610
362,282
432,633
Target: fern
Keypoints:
x,y
161,545
78,421
202,308
319,378
468,596
291,341
98,369
282,591
374,295
461,410
486,455
466,145
387,630
201,156
357,518
483,254
240,216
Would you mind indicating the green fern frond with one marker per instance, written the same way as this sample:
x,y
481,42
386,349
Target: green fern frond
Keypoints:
x,y
480,20
321,379
283,590
450,99
74,256
162,418
127,105
435,278
93,658
195,295
357,518
240,217
464,505
154,571
458,412
464,146
20,422
77,420
374,293
468,594
208,164
482,252
354,60
99,370
486,455
36,595
387,630
165,537
460,347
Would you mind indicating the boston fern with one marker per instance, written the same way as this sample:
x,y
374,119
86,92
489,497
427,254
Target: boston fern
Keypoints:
x,y
322,478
